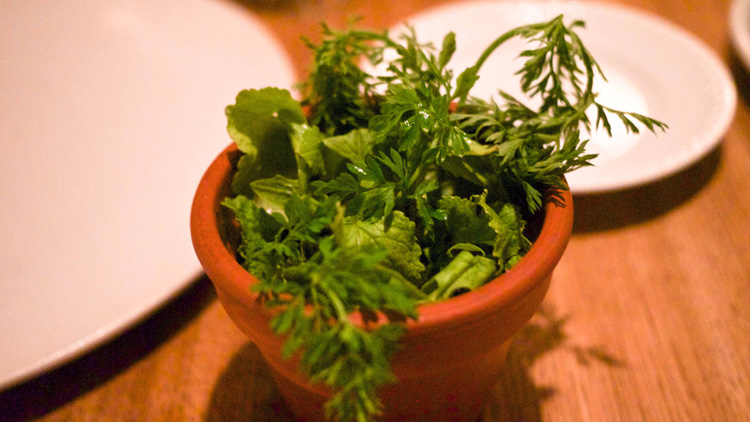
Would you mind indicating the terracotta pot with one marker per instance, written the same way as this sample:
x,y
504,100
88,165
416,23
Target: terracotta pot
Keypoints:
x,y
449,359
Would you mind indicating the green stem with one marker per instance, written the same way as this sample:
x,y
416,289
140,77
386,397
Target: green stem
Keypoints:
x,y
338,306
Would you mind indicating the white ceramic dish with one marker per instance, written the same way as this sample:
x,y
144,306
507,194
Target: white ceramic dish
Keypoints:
x,y
739,28
652,66
110,111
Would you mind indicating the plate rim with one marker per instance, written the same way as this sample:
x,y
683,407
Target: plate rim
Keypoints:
x,y
99,337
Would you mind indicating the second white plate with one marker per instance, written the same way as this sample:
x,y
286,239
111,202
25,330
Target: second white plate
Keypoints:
x,y
652,67
739,29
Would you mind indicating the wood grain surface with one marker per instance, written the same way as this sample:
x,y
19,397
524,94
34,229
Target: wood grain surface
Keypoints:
x,y
647,319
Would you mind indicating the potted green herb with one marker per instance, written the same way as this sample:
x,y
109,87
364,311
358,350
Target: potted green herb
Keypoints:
x,y
383,238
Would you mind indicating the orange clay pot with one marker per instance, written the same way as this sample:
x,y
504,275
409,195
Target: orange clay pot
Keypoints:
x,y
449,359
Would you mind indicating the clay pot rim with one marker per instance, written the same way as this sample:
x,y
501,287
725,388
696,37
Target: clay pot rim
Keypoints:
x,y
229,276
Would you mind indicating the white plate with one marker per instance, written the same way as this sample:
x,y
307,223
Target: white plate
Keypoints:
x,y
739,26
652,67
109,113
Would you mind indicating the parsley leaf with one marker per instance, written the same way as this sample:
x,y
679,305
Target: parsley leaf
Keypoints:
x,y
256,122
397,238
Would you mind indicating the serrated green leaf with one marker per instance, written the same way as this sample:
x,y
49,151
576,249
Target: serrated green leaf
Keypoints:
x,y
259,123
509,243
403,251
272,194
465,272
466,221
355,146
261,116
308,148
253,220
474,169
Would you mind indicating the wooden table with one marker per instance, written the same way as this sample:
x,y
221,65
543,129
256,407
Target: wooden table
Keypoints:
x,y
647,319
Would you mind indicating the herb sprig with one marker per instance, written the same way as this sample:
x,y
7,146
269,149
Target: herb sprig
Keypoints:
x,y
394,190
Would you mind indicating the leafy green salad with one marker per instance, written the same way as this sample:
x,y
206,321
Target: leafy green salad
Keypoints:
x,y
377,193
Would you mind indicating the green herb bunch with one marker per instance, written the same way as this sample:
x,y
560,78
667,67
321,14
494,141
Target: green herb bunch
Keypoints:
x,y
374,194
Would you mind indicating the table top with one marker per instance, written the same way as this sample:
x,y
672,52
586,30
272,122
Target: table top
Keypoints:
x,y
647,317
